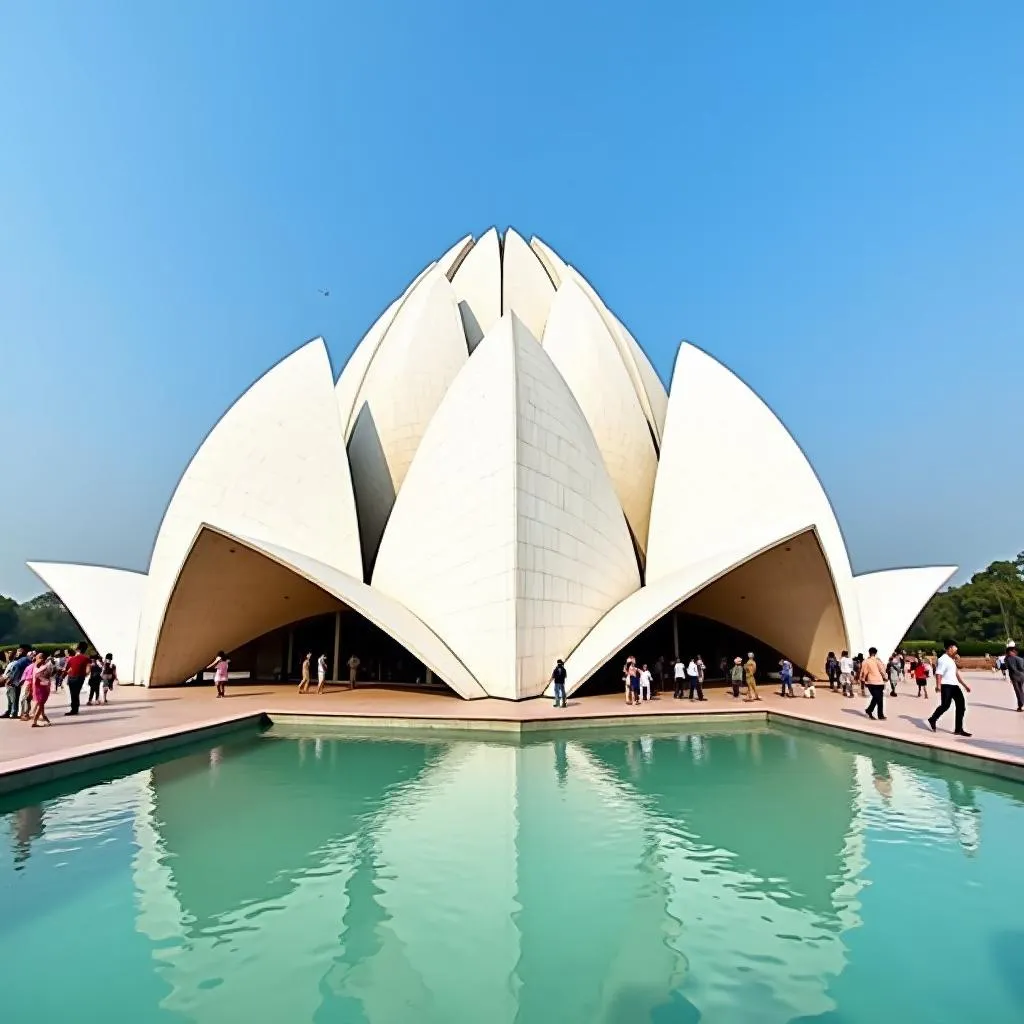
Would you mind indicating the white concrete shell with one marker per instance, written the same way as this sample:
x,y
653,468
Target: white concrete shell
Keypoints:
x,y
587,356
721,440
507,538
780,593
273,468
417,359
891,600
232,589
106,604
650,391
526,287
477,284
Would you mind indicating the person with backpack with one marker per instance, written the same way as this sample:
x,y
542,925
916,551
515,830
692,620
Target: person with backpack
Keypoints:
x,y
1014,665
558,680
832,670
94,679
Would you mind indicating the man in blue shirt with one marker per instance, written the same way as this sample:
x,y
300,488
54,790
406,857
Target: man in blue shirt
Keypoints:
x,y
12,677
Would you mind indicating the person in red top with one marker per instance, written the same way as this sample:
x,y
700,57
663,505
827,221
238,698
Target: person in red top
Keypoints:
x,y
76,669
921,677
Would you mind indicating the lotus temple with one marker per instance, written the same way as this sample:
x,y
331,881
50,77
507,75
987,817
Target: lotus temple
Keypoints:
x,y
497,479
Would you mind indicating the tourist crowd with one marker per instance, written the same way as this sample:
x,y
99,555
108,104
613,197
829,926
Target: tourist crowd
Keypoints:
x,y
844,673
30,676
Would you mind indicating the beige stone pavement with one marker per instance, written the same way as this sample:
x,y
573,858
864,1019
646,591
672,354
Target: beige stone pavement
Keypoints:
x,y
138,716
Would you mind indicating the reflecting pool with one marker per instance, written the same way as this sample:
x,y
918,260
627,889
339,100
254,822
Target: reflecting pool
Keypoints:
x,y
729,874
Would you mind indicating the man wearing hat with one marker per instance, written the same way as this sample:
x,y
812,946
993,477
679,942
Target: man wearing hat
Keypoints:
x,y
1014,665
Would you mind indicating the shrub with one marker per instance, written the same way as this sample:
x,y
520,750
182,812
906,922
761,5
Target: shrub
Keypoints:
x,y
45,648
968,648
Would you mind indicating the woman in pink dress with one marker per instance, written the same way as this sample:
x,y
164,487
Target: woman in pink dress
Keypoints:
x,y
41,679
220,666
26,687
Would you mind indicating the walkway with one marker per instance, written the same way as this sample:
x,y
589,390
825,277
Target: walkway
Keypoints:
x,y
146,716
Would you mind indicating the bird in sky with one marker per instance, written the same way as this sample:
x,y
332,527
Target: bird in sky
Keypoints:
x,y
324,292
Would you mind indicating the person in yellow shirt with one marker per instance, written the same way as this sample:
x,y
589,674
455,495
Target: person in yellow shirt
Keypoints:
x,y
750,674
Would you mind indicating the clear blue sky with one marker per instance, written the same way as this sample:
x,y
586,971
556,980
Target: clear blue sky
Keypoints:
x,y
826,196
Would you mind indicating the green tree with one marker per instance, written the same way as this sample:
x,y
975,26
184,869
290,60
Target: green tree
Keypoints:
x,y
988,608
8,618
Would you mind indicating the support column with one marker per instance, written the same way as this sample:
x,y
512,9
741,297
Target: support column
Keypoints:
x,y
291,652
430,678
337,646
675,632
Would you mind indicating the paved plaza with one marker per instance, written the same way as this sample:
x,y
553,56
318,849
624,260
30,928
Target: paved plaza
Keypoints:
x,y
139,718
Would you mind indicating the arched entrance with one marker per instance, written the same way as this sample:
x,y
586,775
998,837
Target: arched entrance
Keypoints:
x,y
277,656
691,635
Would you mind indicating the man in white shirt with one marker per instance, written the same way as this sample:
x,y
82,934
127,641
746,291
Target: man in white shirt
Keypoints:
x,y
846,674
693,677
948,683
679,671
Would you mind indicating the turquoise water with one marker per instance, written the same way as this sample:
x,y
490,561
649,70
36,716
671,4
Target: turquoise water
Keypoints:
x,y
731,875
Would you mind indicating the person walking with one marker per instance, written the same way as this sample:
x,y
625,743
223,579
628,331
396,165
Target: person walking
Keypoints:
x,y
12,679
94,679
832,670
76,668
321,673
558,681
108,676
750,675
41,679
858,661
846,674
59,664
1014,665
645,684
894,673
305,673
679,671
736,675
872,675
353,669
220,666
948,683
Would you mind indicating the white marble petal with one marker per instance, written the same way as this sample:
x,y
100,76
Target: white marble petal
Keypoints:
x,y
507,538
273,468
477,284
587,356
106,603
723,442
650,390
891,600
527,290
415,362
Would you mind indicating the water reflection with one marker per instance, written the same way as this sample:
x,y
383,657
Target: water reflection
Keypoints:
x,y
720,875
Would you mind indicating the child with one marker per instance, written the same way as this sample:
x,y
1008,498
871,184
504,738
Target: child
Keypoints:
x,y
108,676
921,677
95,672
807,684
